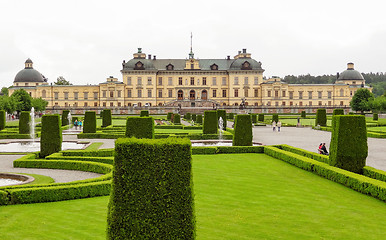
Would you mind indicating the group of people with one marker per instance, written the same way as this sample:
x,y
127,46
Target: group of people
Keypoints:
x,y
274,125
78,123
322,149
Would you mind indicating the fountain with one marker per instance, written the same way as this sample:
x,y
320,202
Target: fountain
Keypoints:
x,y
7,179
221,127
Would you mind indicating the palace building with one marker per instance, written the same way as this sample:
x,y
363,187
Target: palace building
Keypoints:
x,y
192,82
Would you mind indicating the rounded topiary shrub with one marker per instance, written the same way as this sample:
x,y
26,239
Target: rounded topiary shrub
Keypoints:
x,y
243,131
152,190
106,118
144,113
275,117
348,146
24,121
338,111
223,114
303,114
169,116
254,118
140,127
321,117
375,116
176,119
199,119
231,116
194,117
2,119
188,116
65,120
90,122
261,117
210,125
51,135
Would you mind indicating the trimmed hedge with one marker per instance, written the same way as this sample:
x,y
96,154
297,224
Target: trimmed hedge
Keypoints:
x,y
275,117
90,122
24,121
338,111
140,127
2,121
106,117
188,116
199,119
51,135
224,150
97,153
243,131
194,117
231,116
352,180
375,116
65,120
152,190
223,114
254,118
261,117
144,113
303,115
210,125
169,116
348,147
321,118
176,119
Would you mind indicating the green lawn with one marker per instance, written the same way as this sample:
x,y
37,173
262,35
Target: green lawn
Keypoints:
x,y
383,129
193,131
303,121
237,196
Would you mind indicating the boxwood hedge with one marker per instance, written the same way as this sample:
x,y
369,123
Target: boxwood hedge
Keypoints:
x,y
375,116
176,119
261,117
187,116
194,117
2,119
338,111
199,119
144,113
169,116
243,131
348,147
90,122
152,190
51,135
210,125
106,117
275,117
231,116
140,127
65,120
254,118
303,115
24,121
321,118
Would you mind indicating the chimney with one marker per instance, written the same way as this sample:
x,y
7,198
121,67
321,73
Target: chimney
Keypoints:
x,y
149,56
350,66
337,75
228,57
244,50
154,57
239,52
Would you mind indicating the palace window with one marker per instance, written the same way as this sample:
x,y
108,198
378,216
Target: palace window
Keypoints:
x,y
128,80
341,103
95,95
111,104
310,103
341,92
276,104
170,81
236,81
104,93
300,103
192,66
104,104
246,92
256,81
56,95
75,95
245,80
300,94
329,93
204,81
139,81
119,93
160,93
269,93
95,104
139,93
66,95
224,81
170,93
214,81
169,67
85,104
329,103
224,93
119,104
291,103
283,103
291,95
149,93
111,94
256,92
283,93
66,104
43,93
236,93
129,93
85,95
149,81
320,103
319,94
276,94
214,93
180,81
159,80
191,80
309,94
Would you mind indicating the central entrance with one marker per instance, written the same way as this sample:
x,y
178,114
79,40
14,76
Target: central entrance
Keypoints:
x,y
192,95
204,95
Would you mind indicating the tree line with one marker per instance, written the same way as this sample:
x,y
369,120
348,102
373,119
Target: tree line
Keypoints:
x,y
19,101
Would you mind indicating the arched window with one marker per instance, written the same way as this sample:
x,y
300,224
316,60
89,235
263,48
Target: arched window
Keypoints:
x,y
236,104
224,104
204,95
180,95
139,104
192,95
169,67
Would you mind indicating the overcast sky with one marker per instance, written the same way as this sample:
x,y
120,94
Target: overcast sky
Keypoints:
x,y
86,41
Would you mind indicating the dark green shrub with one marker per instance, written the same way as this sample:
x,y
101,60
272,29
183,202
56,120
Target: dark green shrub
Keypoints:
x,y
169,116
106,117
199,119
188,116
51,135
254,118
321,118
275,117
348,147
338,111
261,117
231,116
303,115
140,127
65,120
90,122
152,190
176,119
24,121
243,131
75,118
223,115
210,125
101,114
2,119
144,113
194,117
375,116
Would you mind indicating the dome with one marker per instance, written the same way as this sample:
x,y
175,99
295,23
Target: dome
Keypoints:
x,y
140,64
28,74
245,64
350,73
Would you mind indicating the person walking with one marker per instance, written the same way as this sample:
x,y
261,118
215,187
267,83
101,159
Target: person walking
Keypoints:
x,y
278,126
273,125
76,124
80,124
